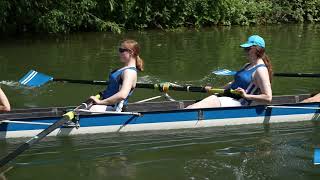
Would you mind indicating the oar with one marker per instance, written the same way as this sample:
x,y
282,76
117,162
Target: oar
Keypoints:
x,y
165,87
227,72
65,118
35,79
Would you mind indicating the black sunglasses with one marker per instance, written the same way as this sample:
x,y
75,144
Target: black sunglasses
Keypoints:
x,y
121,50
247,48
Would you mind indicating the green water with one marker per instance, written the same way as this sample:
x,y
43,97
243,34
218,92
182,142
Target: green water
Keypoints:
x,y
181,57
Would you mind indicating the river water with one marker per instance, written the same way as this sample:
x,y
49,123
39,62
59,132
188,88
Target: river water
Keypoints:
x,y
188,57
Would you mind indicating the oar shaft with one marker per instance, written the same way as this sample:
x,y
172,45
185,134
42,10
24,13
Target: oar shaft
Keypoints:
x,y
66,117
99,82
296,74
226,72
138,85
196,89
188,88
32,141
77,81
161,87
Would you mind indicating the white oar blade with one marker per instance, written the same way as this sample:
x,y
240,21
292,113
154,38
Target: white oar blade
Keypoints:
x,y
34,78
224,72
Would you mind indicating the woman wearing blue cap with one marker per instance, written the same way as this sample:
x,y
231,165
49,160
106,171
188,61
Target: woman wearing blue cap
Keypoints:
x,y
252,82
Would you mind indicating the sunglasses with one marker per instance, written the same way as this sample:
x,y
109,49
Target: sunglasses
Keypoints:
x,y
247,48
121,50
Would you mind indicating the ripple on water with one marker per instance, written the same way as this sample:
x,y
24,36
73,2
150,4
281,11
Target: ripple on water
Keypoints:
x,y
9,83
230,151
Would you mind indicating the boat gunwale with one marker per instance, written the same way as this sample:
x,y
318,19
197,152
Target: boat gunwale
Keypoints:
x,y
176,110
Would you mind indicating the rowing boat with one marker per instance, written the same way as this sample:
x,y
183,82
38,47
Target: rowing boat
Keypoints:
x,y
156,116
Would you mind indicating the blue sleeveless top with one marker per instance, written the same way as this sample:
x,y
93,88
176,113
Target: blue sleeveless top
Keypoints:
x,y
243,79
115,82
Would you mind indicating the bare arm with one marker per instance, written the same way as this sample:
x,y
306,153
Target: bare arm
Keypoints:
x,y
261,78
129,81
4,102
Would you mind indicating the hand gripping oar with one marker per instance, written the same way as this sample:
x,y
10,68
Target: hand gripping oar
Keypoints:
x,y
227,72
65,118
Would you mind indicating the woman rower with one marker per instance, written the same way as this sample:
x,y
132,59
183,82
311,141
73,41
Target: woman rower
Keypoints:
x,y
4,102
252,82
121,81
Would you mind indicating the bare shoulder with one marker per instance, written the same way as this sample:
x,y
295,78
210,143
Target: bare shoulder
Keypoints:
x,y
129,73
262,75
262,71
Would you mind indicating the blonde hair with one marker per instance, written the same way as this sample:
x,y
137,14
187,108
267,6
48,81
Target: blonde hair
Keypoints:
x,y
135,49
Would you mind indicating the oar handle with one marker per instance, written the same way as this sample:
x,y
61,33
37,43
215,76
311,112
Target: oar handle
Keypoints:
x,y
188,88
87,103
165,87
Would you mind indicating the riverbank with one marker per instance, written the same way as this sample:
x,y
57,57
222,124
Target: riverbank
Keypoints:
x,y
65,16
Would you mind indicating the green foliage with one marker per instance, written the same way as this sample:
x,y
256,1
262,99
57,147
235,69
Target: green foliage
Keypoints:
x,y
65,16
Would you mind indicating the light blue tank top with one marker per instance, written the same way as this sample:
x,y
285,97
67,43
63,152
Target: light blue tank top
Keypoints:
x,y
115,82
243,79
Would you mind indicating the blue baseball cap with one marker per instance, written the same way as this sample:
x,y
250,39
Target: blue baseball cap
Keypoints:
x,y
254,40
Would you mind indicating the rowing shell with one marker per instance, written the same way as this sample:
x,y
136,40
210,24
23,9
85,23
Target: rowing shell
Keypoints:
x,y
156,116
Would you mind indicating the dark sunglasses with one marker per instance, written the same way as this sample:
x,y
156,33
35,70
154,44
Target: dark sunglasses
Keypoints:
x,y
247,48
121,50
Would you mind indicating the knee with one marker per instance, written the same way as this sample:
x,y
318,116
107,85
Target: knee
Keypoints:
x,y
98,108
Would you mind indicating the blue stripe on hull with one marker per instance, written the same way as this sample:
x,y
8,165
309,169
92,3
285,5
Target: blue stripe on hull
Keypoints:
x,y
254,112
168,116
19,127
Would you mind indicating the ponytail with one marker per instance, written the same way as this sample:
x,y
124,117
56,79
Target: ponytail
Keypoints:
x,y
139,63
267,62
261,54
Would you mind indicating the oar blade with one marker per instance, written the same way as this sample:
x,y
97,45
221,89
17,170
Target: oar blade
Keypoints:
x,y
35,79
224,72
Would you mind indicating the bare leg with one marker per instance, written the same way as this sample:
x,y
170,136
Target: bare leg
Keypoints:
x,y
315,98
98,108
208,102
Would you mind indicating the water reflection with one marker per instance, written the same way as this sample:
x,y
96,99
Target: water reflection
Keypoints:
x,y
241,152
180,57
